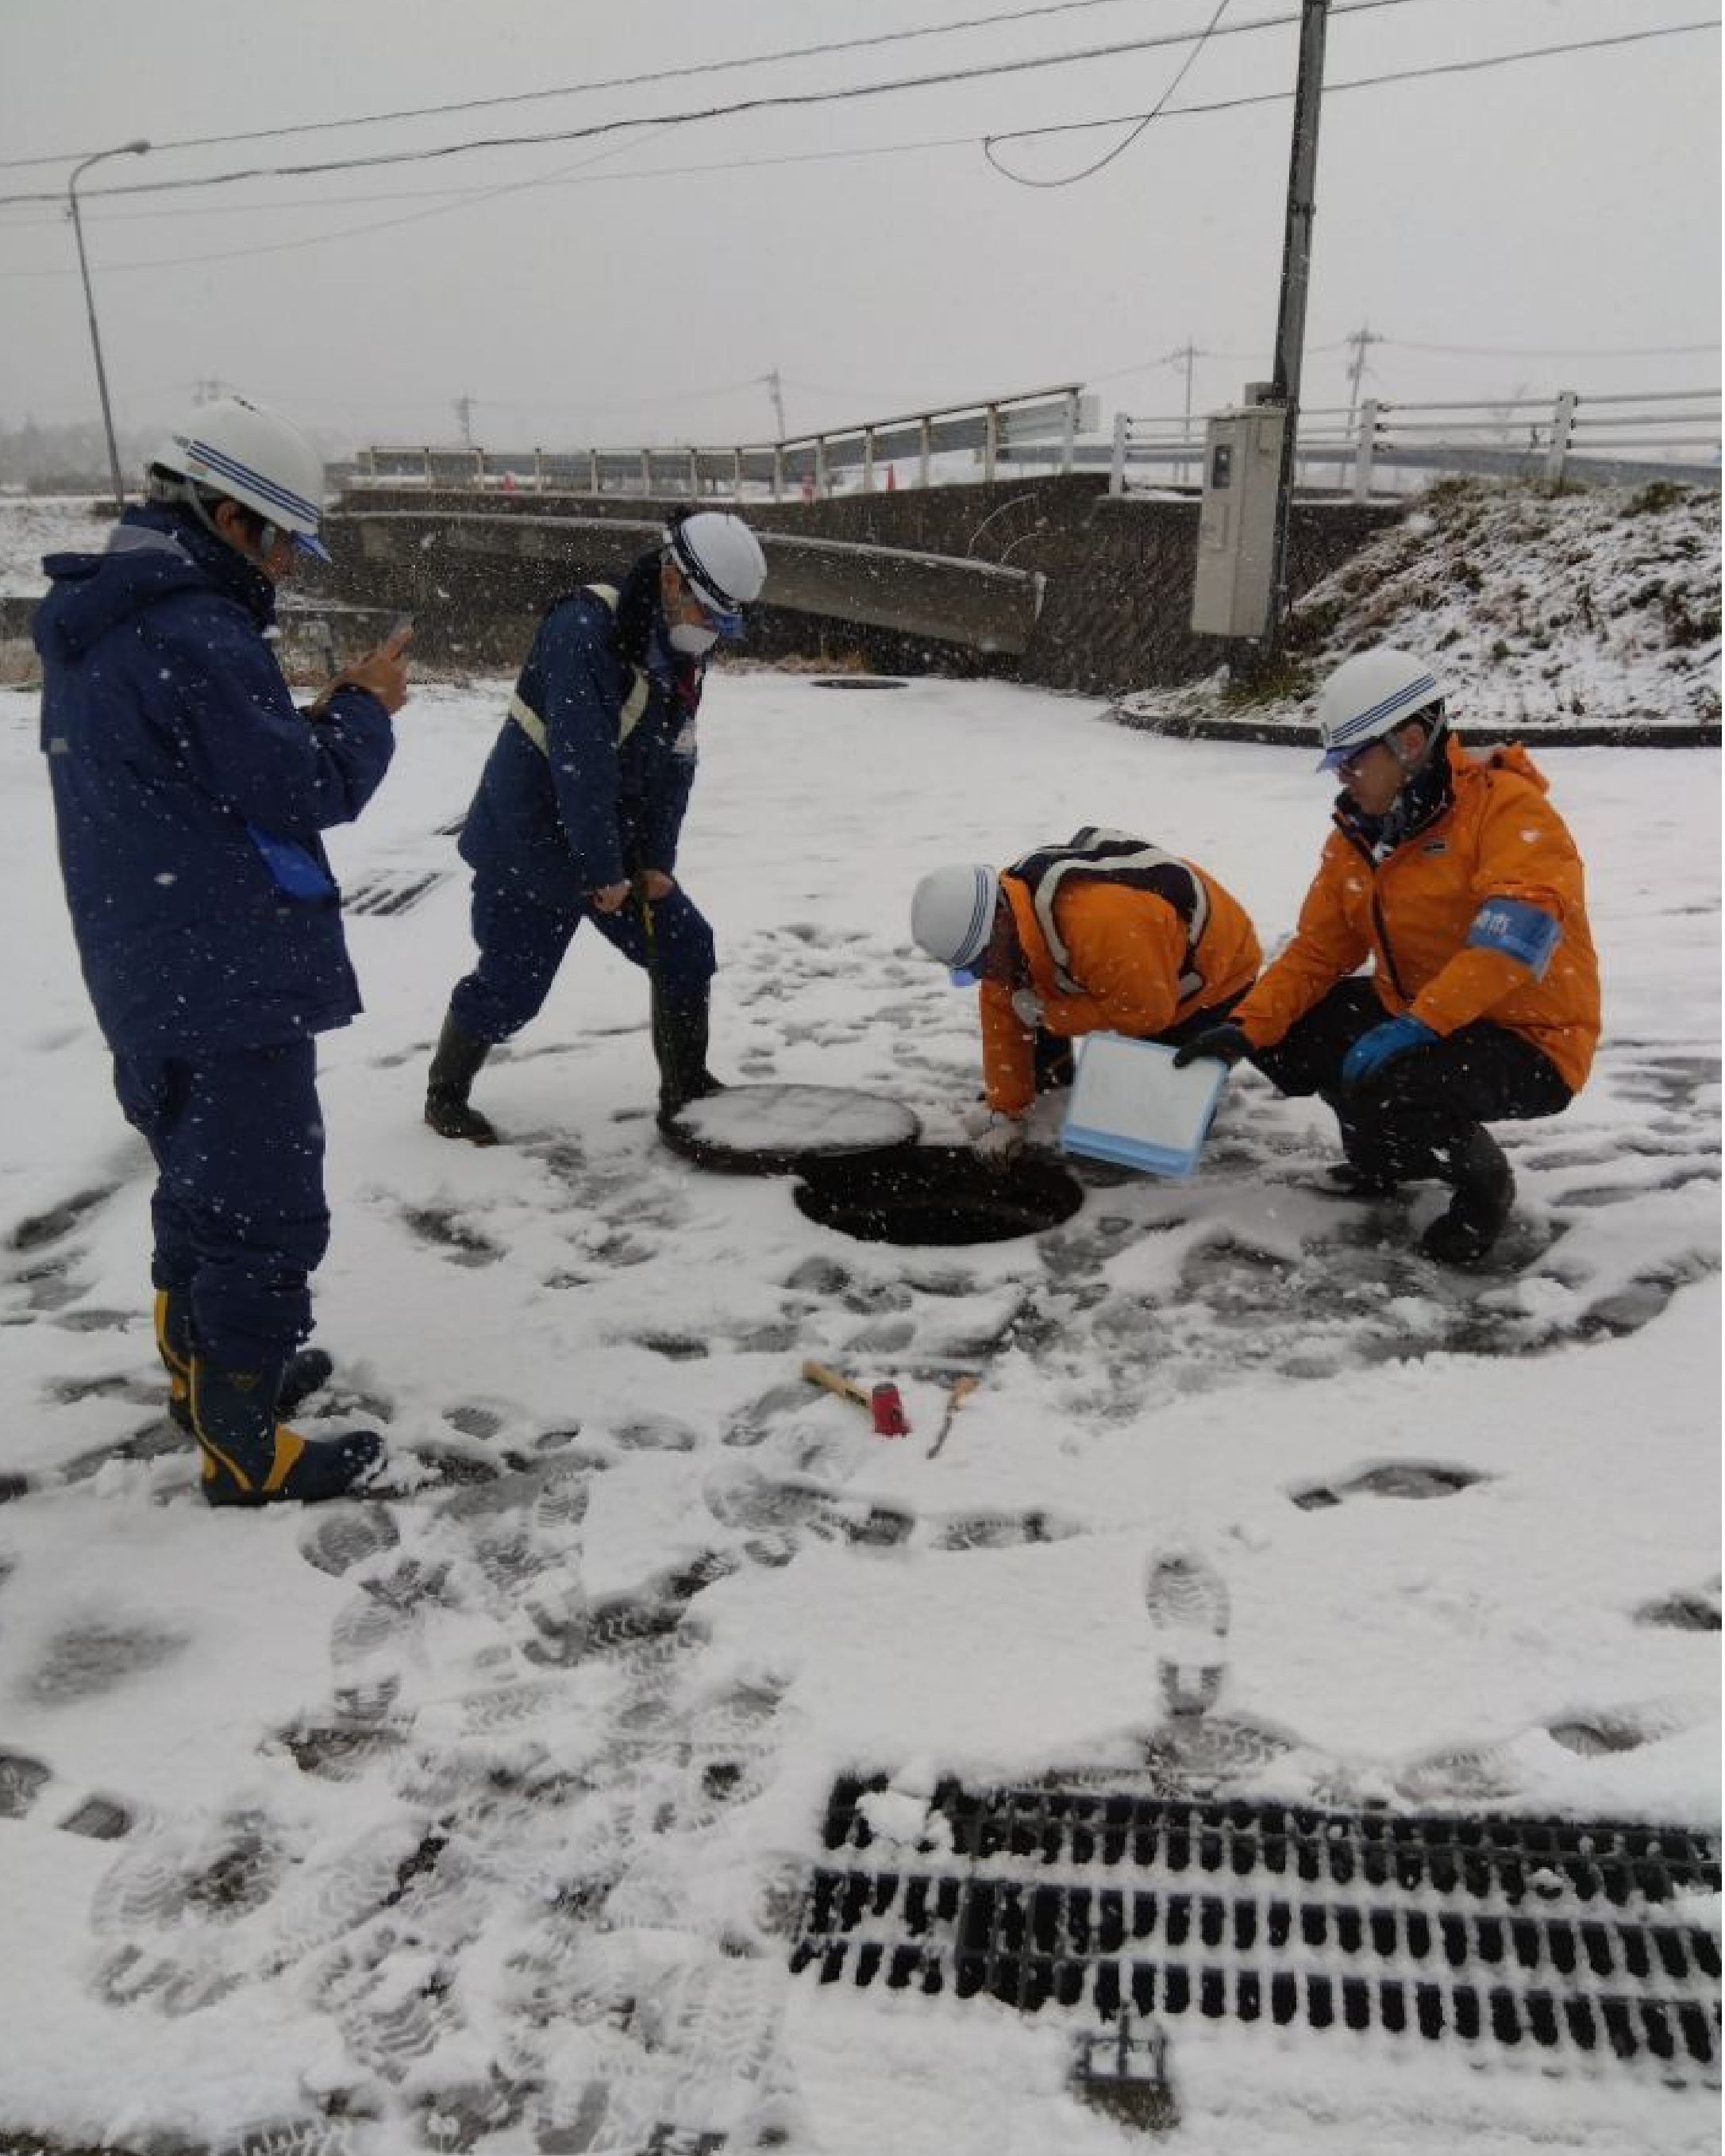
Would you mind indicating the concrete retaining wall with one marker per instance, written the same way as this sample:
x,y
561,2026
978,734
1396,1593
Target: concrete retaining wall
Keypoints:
x,y
1114,617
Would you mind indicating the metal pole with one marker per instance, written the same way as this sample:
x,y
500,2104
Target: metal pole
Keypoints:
x,y
1296,269
125,149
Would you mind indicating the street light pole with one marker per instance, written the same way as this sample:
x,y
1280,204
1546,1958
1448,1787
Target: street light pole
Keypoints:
x,y
125,149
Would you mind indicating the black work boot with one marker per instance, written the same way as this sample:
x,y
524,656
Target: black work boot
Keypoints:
x,y
1349,1179
1485,1191
679,1040
453,1068
304,1372
249,1458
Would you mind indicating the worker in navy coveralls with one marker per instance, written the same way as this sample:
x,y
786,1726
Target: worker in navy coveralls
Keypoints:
x,y
581,804
189,795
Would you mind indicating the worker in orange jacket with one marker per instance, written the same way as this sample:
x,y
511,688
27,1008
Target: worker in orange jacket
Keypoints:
x,y
1460,882
1102,933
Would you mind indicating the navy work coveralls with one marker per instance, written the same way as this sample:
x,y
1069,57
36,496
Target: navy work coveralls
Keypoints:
x,y
189,794
566,806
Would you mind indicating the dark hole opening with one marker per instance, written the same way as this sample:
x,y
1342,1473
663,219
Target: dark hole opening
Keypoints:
x,y
936,1195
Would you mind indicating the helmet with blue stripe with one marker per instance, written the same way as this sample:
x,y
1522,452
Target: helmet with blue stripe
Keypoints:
x,y
720,559
953,916
1370,696
239,450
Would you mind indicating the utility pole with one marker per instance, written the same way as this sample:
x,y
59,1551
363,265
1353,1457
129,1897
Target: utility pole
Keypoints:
x,y
1295,270
1359,339
775,390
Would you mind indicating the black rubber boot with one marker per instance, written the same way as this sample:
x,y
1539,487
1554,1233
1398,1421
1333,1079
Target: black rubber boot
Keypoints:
x,y
302,1374
249,1458
1347,1179
1485,1191
680,1042
453,1068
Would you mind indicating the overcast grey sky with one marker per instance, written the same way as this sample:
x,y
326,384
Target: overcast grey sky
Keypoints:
x,y
1553,223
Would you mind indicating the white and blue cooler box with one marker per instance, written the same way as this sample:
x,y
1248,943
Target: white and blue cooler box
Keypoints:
x,y
1130,1105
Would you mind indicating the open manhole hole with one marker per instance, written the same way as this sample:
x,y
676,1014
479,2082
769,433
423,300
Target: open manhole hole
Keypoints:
x,y
929,1194
1573,1941
858,681
779,1130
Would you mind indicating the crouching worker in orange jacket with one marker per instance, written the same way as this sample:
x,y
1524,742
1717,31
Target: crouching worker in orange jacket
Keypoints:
x,y
1105,933
1459,881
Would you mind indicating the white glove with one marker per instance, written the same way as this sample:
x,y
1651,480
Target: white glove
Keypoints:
x,y
1001,1143
1027,1007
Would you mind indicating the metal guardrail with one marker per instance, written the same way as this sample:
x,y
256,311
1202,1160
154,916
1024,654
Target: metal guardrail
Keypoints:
x,y
1569,434
1043,422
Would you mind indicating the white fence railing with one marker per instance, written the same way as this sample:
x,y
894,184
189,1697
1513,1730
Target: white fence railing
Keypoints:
x,y
1043,423
1633,435
1382,446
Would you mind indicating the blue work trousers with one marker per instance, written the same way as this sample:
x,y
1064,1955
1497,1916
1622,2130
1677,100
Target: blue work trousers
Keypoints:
x,y
522,945
239,1211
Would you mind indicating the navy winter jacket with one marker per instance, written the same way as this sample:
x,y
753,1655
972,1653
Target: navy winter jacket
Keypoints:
x,y
179,767
584,811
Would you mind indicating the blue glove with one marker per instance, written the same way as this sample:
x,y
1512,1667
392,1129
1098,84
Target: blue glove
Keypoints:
x,y
1383,1045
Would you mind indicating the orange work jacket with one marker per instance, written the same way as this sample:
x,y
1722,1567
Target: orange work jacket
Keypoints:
x,y
1410,914
1128,949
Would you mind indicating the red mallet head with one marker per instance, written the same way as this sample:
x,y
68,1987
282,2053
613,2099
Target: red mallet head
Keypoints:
x,y
888,1410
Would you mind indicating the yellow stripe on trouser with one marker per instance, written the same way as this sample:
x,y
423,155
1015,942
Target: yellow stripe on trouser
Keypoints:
x,y
179,1370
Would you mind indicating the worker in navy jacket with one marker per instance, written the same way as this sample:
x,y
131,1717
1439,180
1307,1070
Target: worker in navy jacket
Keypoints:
x,y
189,795
581,804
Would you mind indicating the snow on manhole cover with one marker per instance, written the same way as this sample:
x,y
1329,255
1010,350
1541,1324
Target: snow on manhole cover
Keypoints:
x,y
1567,1940
772,1130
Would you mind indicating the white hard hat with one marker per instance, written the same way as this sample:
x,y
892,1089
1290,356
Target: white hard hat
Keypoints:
x,y
238,450
721,560
1368,697
952,913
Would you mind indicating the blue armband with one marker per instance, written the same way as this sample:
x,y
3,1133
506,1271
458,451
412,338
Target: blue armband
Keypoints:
x,y
294,868
1519,930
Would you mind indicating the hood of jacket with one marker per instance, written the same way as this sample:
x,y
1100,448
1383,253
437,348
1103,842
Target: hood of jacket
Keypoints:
x,y
1431,792
153,553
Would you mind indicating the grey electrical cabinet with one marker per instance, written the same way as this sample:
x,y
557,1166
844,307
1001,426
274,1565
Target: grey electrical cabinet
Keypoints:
x,y
1236,522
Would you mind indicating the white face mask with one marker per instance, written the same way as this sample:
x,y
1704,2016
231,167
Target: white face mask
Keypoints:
x,y
691,638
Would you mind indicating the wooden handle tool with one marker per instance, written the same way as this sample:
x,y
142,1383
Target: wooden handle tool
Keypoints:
x,y
961,1390
835,1381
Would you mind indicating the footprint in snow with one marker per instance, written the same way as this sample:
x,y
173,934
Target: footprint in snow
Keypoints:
x,y
1398,1478
86,1661
96,1818
37,1230
1694,1610
1622,1729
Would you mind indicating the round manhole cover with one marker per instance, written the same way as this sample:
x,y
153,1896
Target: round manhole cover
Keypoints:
x,y
929,1194
858,681
774,1130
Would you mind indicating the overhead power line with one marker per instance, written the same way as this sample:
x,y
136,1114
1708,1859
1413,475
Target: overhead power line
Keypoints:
x,y
582,89
1370,81
1554,351
785,101
1120,149
466,198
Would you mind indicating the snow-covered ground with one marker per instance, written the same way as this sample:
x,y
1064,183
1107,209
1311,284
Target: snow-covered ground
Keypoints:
x,y
478,1817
